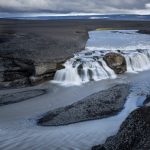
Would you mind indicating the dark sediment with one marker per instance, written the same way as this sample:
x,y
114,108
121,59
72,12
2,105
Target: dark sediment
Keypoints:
x,y
134,133
99,105
20,96
35,49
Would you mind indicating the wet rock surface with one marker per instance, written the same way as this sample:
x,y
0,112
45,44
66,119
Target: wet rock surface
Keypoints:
x,y
134,133
147,101
99,105
116,62
14,71
20,96
144,31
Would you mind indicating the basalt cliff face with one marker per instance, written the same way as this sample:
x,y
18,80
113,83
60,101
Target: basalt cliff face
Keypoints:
x,y
31,56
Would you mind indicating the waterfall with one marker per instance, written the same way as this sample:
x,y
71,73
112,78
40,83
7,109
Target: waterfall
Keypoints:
x,y
69,75
78,71
88,65
138,61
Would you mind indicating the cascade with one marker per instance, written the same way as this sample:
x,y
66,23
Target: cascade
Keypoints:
x,y
89,65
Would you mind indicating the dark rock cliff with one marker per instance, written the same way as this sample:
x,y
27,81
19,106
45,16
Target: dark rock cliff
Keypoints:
x,y
31,56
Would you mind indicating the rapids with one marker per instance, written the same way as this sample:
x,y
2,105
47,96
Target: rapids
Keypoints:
x,y
89,64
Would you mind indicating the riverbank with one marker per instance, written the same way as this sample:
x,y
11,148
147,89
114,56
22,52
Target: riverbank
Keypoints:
x,y
133,134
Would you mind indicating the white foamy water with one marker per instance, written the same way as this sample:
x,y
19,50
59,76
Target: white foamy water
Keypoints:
x,y
89,64
78,72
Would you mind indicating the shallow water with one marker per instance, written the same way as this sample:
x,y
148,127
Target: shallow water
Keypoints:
x,y
18,129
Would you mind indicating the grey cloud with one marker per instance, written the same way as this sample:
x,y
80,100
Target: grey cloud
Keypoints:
x,y
91,6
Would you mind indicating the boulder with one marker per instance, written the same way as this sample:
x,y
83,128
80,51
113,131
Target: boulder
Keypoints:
x,y
134,133
116,62
98,105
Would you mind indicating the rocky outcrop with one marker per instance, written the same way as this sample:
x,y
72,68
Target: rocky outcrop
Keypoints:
x,y
144,31
99,105
116,62
147,100
22,72
14,72
31,54
20,96
44,72
134,133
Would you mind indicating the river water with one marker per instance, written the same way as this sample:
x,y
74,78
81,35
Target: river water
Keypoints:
x,y
18,129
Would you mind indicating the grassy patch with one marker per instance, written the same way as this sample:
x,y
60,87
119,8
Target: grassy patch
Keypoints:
x,y
99,29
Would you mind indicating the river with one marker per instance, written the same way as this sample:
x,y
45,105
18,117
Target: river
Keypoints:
x,y
18,129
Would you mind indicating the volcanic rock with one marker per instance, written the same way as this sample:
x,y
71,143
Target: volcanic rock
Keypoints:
x,y
116,62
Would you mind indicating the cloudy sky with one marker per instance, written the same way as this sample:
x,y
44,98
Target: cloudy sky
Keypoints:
x,y
75,6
